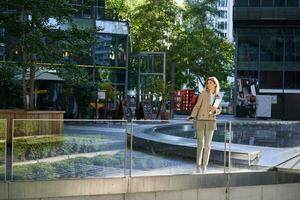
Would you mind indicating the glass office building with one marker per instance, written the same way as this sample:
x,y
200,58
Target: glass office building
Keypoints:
x,y
267,36
110,51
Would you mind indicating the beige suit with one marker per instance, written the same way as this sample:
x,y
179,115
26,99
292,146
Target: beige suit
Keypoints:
x,y
205,124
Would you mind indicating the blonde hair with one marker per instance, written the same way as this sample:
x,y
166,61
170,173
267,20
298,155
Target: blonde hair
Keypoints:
x,y
215,80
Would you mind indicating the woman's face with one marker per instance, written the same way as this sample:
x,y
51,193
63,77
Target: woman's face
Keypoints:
x,y
211,86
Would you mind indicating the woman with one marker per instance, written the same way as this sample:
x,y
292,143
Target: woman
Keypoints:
x,y
204,115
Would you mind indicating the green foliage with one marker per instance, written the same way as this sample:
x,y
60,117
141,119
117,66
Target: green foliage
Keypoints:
x,y
107,161
159,88
110,91
77,80
10,87
153,25
42,171
25,128
186,35
2,152
33,148
31,37
3,128
117,9
70,168
199,48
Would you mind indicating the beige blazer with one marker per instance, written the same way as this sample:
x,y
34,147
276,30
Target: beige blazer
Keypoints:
x,y
201,109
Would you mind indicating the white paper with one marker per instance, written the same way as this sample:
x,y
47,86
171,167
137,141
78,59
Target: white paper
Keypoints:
x,y
264,105
217,102
253,92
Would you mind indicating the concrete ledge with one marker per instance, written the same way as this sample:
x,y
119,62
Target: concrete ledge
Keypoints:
x,y
62,188
132,186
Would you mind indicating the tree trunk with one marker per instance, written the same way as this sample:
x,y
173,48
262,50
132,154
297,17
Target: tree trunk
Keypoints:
x,y
24,88
31,87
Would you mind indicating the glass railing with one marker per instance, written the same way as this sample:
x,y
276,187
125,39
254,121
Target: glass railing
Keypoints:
x,y
3,131
66,149
264,144
158,151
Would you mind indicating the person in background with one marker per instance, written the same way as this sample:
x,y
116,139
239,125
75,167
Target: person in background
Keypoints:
x,y
204,115
241,100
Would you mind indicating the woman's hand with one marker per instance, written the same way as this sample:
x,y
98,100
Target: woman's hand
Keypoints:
x,y
212,109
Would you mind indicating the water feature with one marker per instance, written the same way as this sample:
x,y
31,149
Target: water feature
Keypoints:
x,y
258,134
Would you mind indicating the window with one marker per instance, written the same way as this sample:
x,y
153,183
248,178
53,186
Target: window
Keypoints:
x,y
279,3
292,48
272,42
267,3
247,74
270,80
110,50
222,25
248,48
222,14
254,3
222,3
291,80
292,3
241,3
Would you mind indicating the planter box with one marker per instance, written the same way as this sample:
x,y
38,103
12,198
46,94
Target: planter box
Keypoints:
x,y
164,115
27,127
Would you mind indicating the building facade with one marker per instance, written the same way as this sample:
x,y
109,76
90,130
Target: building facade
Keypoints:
x,y
223,22
267,38
110,53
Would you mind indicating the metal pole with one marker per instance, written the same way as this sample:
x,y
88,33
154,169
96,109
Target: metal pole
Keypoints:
x,y
125,152
225,146
172,90
229,156
126,75
5,143
164,67
131,134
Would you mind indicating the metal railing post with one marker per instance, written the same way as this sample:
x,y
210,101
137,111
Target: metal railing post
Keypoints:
x,y
225,146
229,155
131,135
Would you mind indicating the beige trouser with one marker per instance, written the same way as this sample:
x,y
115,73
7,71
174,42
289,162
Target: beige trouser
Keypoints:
x,y
205,131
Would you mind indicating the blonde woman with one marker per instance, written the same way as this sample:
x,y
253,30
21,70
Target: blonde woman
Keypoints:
x,y
204,115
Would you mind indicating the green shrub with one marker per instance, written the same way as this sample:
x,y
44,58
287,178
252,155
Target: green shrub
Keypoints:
x,y
25,128
64,169
2,172
43,171
106,161
2,129
2,152
70,168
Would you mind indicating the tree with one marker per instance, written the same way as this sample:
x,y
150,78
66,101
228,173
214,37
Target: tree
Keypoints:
x,y
185,33
153,25
40,31
199,48
118,9
161,90
10,87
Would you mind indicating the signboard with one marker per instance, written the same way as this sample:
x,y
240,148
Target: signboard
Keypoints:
x,y
112,27
263,108
274,99
101,94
